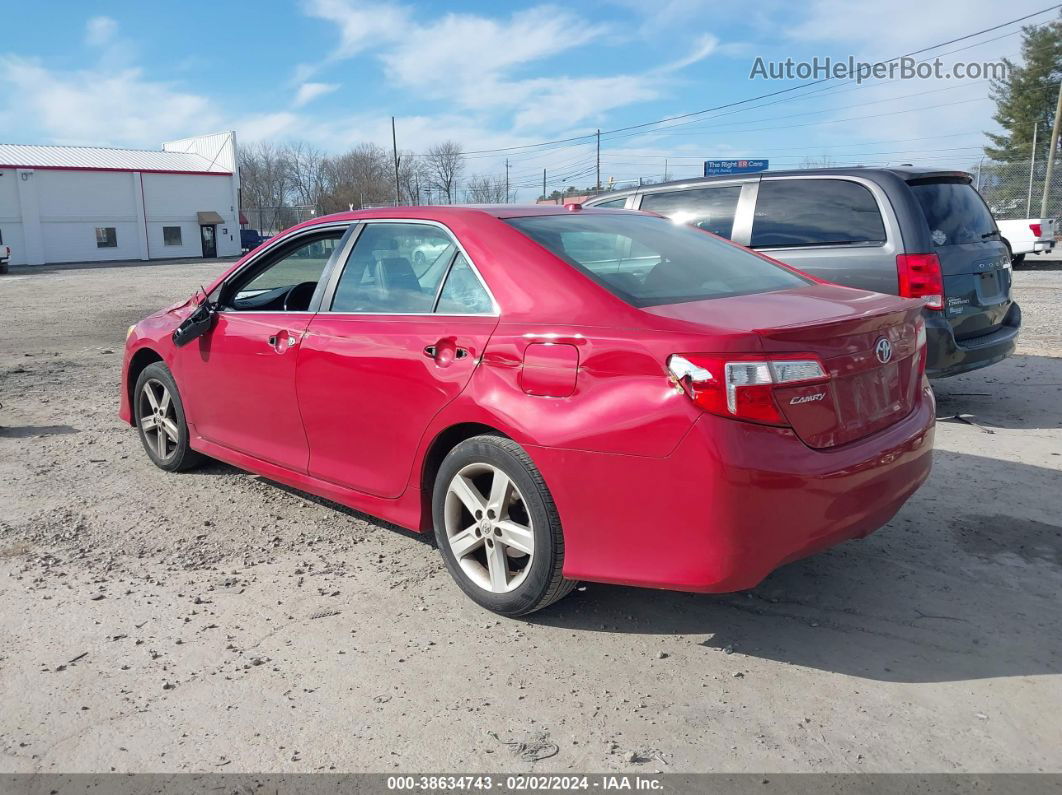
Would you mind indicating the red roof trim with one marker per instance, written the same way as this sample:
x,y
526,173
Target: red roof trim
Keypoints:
x,y
122,170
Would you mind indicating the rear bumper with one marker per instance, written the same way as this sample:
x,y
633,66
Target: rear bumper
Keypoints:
x,y
948,356
733,502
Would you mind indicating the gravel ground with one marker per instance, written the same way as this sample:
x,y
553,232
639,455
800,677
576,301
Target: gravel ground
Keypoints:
x,y
214,621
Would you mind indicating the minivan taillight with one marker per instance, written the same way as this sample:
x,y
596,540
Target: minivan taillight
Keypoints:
x,y
920,277
742,387
1037,229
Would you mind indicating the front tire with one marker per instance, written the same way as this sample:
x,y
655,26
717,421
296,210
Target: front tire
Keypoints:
x,y
160,419
497,527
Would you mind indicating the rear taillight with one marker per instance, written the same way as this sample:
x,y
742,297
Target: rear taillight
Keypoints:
x,y
921,351
920,277
1037,229
742,387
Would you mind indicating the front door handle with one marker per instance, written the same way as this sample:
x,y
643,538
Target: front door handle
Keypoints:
x,y
278,341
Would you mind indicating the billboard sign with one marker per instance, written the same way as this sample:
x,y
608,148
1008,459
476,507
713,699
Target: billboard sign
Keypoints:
x,y
713,167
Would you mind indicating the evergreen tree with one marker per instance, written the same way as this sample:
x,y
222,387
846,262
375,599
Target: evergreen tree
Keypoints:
x,y
1028,95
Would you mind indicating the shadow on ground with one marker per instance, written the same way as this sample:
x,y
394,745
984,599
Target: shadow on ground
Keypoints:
x,y
929,598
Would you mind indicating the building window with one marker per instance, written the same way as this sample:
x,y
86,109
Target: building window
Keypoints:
x,y
171,235
106,237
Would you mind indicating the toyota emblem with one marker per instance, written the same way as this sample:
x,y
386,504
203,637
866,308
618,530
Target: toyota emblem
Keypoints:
x,y
883,350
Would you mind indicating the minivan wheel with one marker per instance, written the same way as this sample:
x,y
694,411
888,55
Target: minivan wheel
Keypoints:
x,y
497,527
159,415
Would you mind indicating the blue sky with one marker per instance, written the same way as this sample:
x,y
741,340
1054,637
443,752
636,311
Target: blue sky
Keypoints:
x,y
491,75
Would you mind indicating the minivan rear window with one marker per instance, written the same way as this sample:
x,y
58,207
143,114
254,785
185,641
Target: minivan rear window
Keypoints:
x,y
955,212
815,212
648,261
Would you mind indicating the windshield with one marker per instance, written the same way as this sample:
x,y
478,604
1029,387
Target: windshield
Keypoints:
x,y
955,212
648,261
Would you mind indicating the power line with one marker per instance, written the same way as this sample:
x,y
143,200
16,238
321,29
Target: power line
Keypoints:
x,y
779,92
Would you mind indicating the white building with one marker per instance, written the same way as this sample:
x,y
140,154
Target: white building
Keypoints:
x,y
81,204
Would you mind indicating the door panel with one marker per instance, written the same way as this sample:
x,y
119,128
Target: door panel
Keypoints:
x,y
239,383
368,385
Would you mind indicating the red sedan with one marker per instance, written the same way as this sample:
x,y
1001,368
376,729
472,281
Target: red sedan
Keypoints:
x,y
559,394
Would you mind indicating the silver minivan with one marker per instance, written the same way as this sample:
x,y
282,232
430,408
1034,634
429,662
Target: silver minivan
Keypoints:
x,y
917,232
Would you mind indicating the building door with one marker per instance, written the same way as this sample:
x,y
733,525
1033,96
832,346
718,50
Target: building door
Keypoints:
x,y
208,234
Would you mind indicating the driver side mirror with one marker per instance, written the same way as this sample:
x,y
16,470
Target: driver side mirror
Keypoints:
x,y
196,324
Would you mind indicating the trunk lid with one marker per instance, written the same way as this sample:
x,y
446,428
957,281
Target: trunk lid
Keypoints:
x,y
843,328
973,259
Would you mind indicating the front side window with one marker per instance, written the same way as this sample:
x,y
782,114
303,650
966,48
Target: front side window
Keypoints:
x,y
648,261
613,203
171,235
106,237
711,209
284,280
815,212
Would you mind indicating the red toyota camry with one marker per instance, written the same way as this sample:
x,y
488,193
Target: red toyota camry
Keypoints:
x,y
559,394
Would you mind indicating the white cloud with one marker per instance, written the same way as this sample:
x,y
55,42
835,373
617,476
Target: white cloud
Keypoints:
x,y
702,48
310,91
100,31
361,25
96,107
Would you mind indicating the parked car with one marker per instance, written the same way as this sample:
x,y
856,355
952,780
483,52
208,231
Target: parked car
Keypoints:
x,y
251,239
577,395
1027,236
915,232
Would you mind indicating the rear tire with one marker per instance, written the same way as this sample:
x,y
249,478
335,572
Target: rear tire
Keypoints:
x,y
159,416
497,527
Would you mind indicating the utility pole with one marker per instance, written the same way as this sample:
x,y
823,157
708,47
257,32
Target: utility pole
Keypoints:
x,y
1032,165
394,145
506,180
599,160
543,183
665,169
1051,154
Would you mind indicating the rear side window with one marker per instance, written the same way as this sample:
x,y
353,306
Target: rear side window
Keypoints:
x,y
711,209
815,212
648,261
955,212
613,203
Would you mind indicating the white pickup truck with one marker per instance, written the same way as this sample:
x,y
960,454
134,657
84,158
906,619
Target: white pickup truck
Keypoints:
x,y
1027,236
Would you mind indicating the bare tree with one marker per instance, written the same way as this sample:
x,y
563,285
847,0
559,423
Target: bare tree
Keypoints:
x,y
485,190
412,176
444,163
264,181
359,178
308,170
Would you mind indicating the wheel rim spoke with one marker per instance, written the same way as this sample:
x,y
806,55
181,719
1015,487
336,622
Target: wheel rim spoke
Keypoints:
x,y
468,494
170,427
164,403
517,536
149,393
148,422
498,568
464,542
501,489
161,442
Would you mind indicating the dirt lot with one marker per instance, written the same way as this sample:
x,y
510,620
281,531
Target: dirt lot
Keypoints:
x,y
214,621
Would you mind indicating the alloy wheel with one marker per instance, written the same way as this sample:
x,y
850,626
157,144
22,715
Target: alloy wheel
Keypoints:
x,y
489,528
158,419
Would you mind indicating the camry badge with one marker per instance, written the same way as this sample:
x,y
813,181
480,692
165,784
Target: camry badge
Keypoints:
x,y
883,350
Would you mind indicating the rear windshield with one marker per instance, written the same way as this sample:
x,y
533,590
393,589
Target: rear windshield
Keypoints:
x,y
955,212
648,261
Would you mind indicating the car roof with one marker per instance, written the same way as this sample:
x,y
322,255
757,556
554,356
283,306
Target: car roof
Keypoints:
x,y
905,173
442,212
